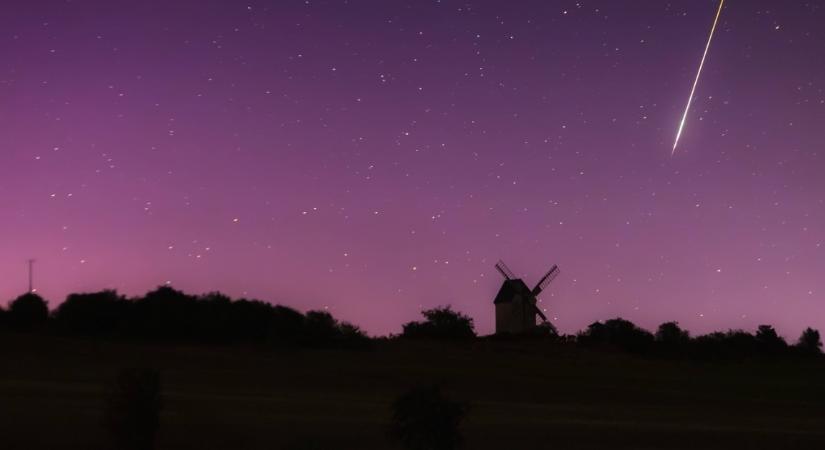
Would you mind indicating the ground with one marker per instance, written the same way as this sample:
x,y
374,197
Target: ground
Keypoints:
x,y
521,395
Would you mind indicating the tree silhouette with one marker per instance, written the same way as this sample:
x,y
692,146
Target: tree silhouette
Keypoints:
x,y
168,315
132,414
733,343
352,336
320,329
768,341
250,320
809,342
162,314
287,323
671,332
28,312
425,419
91,314
617,332
441,323
672,338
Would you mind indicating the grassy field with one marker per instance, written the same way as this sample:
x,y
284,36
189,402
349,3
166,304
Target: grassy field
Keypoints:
x,y
528,395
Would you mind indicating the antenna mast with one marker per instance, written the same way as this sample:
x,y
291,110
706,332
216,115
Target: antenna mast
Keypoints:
x,y
31,276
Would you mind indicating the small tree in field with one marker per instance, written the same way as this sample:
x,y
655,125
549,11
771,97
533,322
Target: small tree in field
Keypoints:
x,y
424,419
133,409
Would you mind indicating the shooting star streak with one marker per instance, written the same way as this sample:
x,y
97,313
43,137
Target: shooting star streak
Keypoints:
x,y
696,81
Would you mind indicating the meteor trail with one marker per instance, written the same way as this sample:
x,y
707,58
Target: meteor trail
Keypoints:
x,y
696,81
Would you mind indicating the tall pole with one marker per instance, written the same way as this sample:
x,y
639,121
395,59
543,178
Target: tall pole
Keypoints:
x,y
31,276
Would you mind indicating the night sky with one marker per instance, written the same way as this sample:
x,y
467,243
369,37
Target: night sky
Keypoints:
x,y
378,157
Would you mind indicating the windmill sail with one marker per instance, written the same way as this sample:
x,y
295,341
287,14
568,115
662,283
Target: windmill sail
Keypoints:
x,y
546,279
539,312
504,270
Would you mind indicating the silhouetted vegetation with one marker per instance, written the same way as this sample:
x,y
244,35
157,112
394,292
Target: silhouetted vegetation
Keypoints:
x,y
166,314
441,323
768,341
425,419
672,338
732,343
94,314
132,414
618,333
28,312
320,329
547,330
809,342
422,418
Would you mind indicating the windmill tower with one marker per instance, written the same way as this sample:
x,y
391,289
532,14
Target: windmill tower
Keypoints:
x,y
515,303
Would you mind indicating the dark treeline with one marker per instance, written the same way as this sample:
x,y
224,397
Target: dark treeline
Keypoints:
x,y
669,340
166,314
672,341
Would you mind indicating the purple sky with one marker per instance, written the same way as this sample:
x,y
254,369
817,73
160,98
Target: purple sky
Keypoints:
x,y
377,157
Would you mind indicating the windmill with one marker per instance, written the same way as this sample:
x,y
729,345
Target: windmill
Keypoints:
x,y
515,303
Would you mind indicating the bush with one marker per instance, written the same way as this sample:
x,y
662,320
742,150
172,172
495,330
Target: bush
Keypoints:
x,y
441,323
28,312
424,419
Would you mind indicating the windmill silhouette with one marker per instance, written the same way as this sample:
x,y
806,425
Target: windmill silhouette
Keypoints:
x,y
515,303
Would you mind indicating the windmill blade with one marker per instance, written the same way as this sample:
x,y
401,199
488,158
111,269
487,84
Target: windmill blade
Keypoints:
x,y
546,279
504,270
538,311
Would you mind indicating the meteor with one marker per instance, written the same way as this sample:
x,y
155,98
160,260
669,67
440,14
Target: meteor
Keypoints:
x,y
696,81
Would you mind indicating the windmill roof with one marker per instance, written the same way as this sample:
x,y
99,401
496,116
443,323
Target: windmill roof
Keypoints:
x,y
510,289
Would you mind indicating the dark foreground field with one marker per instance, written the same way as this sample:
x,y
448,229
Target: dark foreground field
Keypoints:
x,y
522,396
